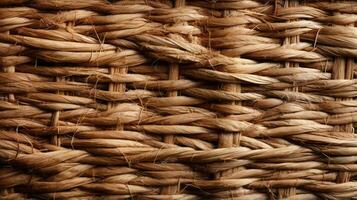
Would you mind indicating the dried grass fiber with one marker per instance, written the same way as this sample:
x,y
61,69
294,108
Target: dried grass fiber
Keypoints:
x,y
158,99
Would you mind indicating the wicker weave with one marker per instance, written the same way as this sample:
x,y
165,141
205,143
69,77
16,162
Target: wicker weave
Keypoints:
x,y
153,99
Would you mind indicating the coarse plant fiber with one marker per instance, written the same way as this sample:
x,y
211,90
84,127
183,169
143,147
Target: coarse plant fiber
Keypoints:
x,y
195,99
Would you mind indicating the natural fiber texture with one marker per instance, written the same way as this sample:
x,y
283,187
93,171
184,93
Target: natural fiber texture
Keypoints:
x,y
153,99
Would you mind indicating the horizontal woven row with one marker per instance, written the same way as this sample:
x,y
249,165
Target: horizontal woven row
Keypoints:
x,y
159,99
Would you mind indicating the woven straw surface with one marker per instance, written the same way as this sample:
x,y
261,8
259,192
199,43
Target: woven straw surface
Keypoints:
x,y
154,99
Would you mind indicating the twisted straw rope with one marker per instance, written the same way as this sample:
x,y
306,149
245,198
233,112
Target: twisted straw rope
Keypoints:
x,y
123,99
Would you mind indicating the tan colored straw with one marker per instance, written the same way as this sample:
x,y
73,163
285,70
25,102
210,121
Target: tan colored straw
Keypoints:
x,y
178,99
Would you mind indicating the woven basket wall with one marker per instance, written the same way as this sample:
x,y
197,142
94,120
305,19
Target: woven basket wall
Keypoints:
x,y
154,99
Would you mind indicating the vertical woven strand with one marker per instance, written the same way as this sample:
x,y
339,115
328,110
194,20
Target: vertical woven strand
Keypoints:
x,y
117,87
174,74
290,191
56,140
343,69
229,139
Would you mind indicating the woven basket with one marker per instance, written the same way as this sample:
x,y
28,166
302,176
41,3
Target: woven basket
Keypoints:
x,y
154,99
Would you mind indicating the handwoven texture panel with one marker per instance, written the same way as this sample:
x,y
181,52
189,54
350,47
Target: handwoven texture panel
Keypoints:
x,y
157,99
